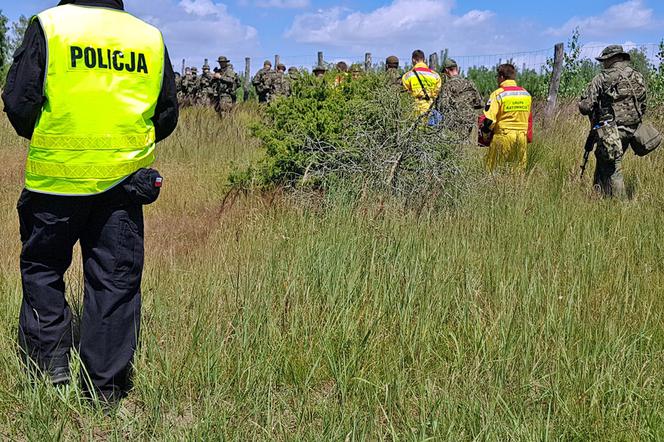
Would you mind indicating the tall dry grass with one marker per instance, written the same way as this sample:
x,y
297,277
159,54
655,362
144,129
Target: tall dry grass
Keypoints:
x,y
529,311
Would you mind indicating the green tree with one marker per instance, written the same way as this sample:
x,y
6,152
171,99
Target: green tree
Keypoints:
x,y
4,49
16,33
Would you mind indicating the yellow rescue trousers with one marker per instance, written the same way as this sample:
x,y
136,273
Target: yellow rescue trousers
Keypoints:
x,y
508,147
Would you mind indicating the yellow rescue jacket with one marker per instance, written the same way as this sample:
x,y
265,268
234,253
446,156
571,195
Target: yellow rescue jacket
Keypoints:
x,y
509,108
432,84
103,78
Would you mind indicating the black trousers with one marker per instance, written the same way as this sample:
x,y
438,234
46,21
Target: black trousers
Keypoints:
x,y
109,227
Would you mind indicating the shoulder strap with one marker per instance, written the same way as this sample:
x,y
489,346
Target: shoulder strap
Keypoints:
x,y
631,88
426,94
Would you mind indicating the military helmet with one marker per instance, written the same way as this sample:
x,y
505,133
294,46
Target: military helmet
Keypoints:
x,y
267,63
281,67
293,70
356,68
392,61
222,59
319,69
613,51
450,64
342,66
194,70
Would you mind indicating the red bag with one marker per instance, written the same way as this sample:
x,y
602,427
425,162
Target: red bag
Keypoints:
x,y
530,128
482,138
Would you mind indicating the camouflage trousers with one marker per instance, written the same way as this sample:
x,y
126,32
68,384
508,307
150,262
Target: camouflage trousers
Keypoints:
x,y
612,144
203,101
223,104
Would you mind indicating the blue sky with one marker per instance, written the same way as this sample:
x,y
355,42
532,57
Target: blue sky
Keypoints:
x,y
297,29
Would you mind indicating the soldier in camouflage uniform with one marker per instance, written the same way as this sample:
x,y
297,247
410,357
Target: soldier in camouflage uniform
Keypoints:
x,y
281,84
392,70
225,86
616,102
459,100
205,92
237,82
178,86
189,86
356,71
263,82
319,71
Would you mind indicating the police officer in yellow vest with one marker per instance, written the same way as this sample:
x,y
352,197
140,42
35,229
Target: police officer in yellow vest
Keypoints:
x,y
93,89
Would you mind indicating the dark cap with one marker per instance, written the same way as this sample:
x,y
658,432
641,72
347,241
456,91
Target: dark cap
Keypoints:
x,y
392,60
223,59
281,67
613,51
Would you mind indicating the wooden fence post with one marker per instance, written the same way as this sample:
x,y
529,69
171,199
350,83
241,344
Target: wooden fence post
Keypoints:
x,y
277,61
554,85
321,61
367,62
247,77
183,67
433,61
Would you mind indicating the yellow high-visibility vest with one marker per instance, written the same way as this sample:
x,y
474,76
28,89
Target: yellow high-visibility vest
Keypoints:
x,y
103,77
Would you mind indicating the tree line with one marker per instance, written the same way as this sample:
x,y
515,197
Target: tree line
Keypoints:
x,y
11,36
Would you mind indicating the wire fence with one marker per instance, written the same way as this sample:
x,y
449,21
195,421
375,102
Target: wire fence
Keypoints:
x,y
535,60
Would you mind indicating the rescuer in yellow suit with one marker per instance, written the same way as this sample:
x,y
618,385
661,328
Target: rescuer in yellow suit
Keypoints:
x,y
422,83
93,89
507,122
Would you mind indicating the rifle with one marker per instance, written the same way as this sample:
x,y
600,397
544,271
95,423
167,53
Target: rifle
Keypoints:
x,y
589,147
590,143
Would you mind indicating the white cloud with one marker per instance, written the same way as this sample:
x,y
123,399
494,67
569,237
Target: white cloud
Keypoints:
x,y
398,26
202,8
197,29
627,16
283,4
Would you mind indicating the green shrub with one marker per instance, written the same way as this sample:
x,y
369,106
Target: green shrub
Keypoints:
x,y
363,133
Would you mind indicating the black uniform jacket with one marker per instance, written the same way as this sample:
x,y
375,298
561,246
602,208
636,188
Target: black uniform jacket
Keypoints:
x,y
24,91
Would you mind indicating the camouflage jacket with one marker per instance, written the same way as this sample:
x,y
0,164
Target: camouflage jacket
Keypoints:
x,y
618,93
281,84
394,77
263,81
205,86
189,84
226,82
462,92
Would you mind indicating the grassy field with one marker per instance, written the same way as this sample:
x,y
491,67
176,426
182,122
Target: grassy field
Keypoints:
x,y
531,311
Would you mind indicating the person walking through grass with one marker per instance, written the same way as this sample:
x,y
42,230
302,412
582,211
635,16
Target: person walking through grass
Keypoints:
x,y
93,89
507,123
615,101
